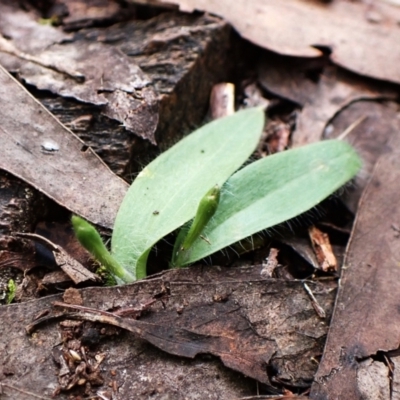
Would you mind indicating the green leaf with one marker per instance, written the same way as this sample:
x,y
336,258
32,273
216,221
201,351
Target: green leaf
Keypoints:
x,y
273,190
167,192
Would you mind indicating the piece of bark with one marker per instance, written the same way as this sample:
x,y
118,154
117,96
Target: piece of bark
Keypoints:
x,y
18,212
298,27
268,320
55,278
272,262
364,320
18,202
302,247
89,71
38,149
183,56
323,249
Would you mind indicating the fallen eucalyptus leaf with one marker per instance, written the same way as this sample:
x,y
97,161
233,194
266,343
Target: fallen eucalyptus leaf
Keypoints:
x,y
37,148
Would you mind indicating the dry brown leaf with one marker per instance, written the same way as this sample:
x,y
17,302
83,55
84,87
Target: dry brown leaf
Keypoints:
x,y
321,100
365,320
363,36
35,147
379,123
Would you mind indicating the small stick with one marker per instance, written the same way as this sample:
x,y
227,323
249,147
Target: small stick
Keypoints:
x,y
351,127
318,309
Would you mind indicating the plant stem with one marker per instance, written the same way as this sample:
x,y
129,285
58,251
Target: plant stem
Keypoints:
x,y
91,240
141,265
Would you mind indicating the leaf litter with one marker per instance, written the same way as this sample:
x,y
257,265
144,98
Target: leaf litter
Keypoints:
x,y
301,28
331,120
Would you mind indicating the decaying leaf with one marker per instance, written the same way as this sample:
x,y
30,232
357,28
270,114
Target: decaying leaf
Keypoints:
x,y
379,123
252,324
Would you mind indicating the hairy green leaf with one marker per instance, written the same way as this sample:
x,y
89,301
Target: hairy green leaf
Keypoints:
x,y
167,192
273,190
